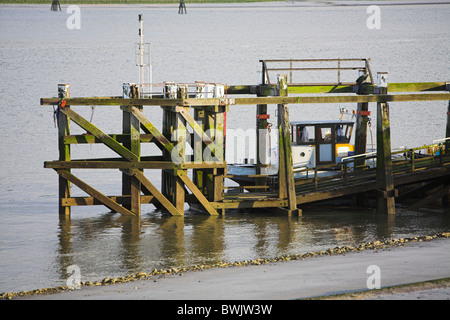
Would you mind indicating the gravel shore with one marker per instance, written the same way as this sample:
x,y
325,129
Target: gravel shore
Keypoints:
x,y
337,274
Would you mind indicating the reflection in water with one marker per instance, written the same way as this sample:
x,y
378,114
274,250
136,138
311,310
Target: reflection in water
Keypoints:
x,y
113,245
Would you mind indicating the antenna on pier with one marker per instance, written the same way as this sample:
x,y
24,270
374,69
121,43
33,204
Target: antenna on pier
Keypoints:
x,y
142,53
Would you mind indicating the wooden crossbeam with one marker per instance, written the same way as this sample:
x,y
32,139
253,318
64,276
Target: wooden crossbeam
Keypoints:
x,y
114,206
112,101
91,201
99,134
74,164
117,164
321,99
156,193
368,88
251,203
253,101
87,138
196,192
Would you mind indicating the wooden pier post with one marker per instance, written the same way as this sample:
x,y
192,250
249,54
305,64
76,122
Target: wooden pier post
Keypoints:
x,y
214,130
286,184
209,147
362,117
197,143
447,129
261,139
446,148
131,186
64,149
174,129
179,138
386,191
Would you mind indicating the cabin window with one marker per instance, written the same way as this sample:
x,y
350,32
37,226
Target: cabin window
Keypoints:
x,y
305,134
325,134
293,135
343,132
325,153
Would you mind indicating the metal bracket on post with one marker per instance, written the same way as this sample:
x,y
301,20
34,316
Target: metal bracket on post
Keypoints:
x,y
382,84
363,79
129,91
382,80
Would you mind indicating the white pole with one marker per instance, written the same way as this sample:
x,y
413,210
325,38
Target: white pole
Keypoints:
x,y
141,53
150,70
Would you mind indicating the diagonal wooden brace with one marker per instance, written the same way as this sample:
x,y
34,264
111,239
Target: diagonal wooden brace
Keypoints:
x,y
197,193
99,134
196,127
156,193
114,206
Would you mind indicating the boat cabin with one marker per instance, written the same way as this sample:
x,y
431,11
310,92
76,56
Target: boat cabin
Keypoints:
x,y
320,142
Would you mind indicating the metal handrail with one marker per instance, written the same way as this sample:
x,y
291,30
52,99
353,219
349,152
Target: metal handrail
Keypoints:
x,y
365,68
441,140
344,175
358,155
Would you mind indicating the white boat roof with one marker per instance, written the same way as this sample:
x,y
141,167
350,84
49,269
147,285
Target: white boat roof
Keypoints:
x,y
320,122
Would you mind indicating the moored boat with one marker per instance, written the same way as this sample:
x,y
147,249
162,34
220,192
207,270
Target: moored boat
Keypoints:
x,y
314,143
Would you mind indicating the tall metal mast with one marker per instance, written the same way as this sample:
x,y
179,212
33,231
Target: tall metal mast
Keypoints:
x,y
143,59
141,50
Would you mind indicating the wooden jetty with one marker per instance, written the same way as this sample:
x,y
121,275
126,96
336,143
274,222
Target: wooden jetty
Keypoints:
x,y
198,119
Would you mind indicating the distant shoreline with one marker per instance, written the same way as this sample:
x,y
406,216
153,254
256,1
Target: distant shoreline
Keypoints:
x,y
146,2
232,2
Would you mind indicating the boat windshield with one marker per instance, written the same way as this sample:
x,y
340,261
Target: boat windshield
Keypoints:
x,y
343,132
303,134
321,133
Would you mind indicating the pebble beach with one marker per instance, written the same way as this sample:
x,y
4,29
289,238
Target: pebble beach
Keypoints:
x,y
411,268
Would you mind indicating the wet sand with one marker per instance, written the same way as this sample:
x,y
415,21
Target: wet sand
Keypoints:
x,y
427,290
339,276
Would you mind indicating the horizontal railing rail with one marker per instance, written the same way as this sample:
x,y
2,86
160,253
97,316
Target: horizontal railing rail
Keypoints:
x,y
406,160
